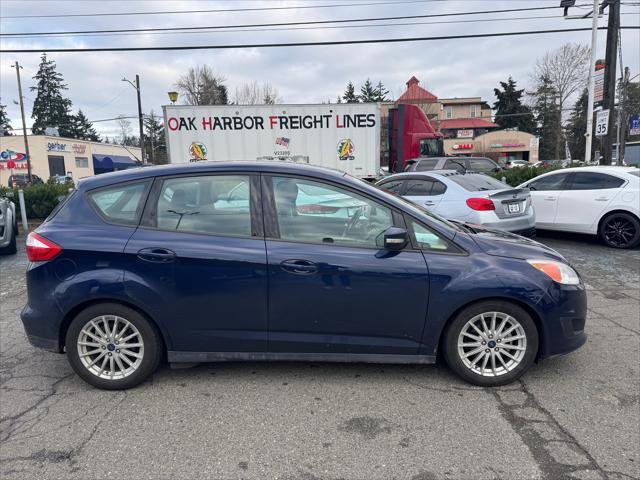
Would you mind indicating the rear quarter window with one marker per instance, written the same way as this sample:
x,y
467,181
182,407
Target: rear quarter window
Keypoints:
x,y
120,204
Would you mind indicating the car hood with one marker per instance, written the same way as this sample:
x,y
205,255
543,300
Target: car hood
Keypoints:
x,y
505,244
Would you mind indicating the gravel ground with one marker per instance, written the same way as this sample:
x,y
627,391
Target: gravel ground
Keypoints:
x,y
576,416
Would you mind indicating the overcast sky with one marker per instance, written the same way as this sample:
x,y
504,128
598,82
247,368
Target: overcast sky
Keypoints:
x,y
448,68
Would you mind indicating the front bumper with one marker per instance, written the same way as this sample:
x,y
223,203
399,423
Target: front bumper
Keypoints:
x,y
564,321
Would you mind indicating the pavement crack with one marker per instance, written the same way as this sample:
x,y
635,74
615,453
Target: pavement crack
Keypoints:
x,y
553,462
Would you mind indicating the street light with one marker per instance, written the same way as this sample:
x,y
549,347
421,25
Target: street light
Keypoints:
x,y
137,87
173,96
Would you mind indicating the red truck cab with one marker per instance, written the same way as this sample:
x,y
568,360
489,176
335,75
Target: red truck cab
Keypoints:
x,y
411,136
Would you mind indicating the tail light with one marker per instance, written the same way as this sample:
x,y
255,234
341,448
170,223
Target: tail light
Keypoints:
x,y
40,249
480,204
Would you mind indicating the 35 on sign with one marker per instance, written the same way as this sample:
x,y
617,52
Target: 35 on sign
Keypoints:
x,y
602,123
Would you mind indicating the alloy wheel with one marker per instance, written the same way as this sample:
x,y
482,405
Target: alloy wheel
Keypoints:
x,y
492,344
619,231
110,347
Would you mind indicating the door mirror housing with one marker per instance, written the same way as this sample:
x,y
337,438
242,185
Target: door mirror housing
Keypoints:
x,y
395,238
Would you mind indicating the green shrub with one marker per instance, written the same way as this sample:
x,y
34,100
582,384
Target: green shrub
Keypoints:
x,y
40,199
516,176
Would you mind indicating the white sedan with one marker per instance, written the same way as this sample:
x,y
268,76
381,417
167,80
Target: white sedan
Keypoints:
x,y
602,201
472,198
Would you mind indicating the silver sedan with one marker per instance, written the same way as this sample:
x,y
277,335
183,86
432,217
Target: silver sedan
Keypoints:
x,y
472,198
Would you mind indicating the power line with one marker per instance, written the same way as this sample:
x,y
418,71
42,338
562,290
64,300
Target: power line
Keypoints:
x,y
293,29
217,10
302,44
278,24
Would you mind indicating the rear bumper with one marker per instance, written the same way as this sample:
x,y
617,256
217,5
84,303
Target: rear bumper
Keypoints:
x,y
42,328
518,224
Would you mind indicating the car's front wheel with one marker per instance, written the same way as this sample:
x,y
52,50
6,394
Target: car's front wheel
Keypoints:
x,y
491,343
620,230
112,346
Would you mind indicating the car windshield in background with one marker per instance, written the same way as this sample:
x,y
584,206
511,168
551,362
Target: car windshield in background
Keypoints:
x,y
425,165
635,173
476,182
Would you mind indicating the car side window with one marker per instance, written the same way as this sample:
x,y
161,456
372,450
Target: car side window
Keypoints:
x,y
211,204
392,186
594,181
457,164
315,212
120,204
418,188
548,183
438,188
426,239
481,165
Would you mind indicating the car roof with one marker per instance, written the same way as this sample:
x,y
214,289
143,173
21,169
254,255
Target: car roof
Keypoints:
x,y
268,166
597,168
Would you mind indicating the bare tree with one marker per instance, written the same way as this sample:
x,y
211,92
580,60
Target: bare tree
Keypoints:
x,y
124,128
201,86
254,93
567,70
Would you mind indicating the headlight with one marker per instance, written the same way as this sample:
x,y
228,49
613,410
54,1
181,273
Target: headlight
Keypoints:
x,y
557,271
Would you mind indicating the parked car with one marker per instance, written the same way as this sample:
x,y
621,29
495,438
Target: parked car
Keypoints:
x,y
60,179
8,224
150,263
517,164
602,201
19,180
461,164
472,197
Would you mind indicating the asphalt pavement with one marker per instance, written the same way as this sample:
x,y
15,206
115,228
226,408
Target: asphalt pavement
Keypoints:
x,y
576,416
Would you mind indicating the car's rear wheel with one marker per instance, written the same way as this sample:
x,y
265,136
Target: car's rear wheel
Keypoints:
x,y
491,343
620,230
112,346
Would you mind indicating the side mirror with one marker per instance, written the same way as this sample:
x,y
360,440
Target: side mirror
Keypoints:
x,y
395,238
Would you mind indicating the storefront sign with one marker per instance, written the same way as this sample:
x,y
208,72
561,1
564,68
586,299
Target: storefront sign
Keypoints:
x,y
507,145
17,166
10,155
464,134
56,147
462,146
79,148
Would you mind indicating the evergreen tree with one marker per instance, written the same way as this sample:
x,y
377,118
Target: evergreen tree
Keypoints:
x,y
577,126
368,92
350,94
510,111
154,139
82,129
548,118
381,93
5,123
50,108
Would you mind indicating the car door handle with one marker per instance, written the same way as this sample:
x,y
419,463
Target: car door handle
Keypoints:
x,y
601,199
300,267
550,199
429,203
157,255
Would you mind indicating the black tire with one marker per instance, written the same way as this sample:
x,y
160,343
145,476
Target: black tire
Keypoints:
x,y
152,353
453,331
620,230
11,248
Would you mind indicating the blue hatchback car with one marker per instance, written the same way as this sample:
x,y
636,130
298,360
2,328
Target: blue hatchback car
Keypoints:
x,y
261,261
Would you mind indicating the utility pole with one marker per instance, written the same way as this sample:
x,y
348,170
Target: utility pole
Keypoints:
x,y
24,126
140,118
137,87
622,117
592,65
609,97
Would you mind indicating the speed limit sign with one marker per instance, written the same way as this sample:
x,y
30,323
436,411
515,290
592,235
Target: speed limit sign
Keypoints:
x,y
602,123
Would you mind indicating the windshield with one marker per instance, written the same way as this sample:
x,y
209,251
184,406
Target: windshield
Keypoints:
x,y
425,165
635,173
475,182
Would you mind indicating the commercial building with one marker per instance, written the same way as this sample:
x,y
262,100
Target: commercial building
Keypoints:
x,y
63,156
467,126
